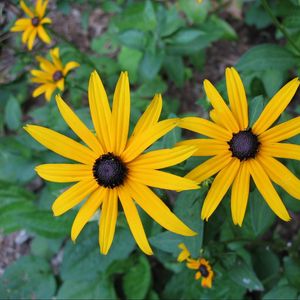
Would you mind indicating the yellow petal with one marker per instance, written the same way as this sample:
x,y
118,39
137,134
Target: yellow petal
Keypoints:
x,y
23,22
220,106
219,188
281,175
73,196
87,210
39,80
43,8
164,158
237,97
61,144
50,91
43,35
134,221
276,106
161,179
156,209
26,9
240,194
19,28
282,150
26,34
148,118
100,111
31,39
210,167
70,66
40,90
184,254
46,65
46,21
206,147
64,172
61,84
267,190
281,132
148,138
120,114
42,74
40,7
78,126
54,53
206,128
108,220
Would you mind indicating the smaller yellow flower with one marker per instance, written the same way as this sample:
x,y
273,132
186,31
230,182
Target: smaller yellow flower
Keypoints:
x,y
52,74
184,254
204,271
33,25
199,1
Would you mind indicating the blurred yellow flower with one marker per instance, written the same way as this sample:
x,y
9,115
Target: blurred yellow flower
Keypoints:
x,y
112,167
33,25
184,254
52,74
204,271
241,151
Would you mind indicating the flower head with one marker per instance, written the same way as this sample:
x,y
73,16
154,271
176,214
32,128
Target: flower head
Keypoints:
x,y
240,151
112,167
52,74
33,24
204,271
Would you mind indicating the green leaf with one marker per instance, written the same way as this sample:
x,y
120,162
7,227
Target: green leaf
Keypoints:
x,y
256,106
195,12
166,241
244,276
273,81
150,65
28,278
264,57
133,39
292,271
281,292
174,67
137,280
13,114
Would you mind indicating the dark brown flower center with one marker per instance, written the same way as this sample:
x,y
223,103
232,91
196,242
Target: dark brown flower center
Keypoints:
x,y
35,21
57,75
244,144
109,170
203,270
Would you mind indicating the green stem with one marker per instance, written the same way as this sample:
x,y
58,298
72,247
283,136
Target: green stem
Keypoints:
x,y
82,54
279,26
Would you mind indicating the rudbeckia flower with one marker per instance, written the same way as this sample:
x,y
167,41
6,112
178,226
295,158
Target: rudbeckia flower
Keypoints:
x,y
52,74
240,151
33,25
110,166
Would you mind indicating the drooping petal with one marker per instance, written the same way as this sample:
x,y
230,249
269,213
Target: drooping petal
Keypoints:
x,y
134,221
148,138
100,111
237,97
219,188
26,9
120,114
206,147
61,144
108,220
282,150
70,66
240,194
156,209
87,210
73,196
78,126
281,175
220,106
210,167
206,128
43,35
267,190
164,158
61,84
51,88
65,172
281,132
163,180
31,39
276,106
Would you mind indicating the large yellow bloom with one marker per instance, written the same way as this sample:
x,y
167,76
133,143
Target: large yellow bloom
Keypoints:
x,y
52,74
33,25
111,167
240,151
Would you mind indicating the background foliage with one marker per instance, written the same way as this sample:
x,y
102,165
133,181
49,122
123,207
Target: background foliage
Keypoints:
x,y
165,46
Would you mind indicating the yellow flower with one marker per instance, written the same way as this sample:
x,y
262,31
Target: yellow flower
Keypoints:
x,y
112,167
204,271
240,151
33,25
184,254
52,74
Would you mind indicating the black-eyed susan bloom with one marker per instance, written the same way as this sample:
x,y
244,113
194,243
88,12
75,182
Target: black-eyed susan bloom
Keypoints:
x,y
240,151
112,167
52,74
33,25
